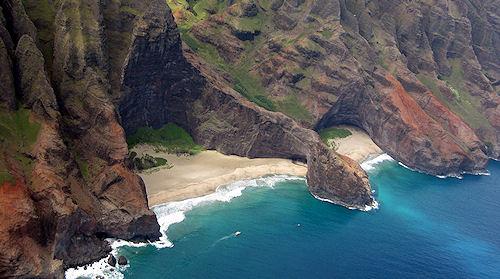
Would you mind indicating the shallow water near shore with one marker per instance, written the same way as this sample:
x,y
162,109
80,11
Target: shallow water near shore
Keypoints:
x,y
426,227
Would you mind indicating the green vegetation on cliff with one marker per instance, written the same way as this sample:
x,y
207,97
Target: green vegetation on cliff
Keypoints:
x,y
244,82
147,162
5,176
170,138
291,106
17,130
456,97
334,133
42,13
83,166
193,11
241,18
328,135
17,135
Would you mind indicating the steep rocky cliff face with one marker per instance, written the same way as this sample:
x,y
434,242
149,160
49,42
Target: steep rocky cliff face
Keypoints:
x,y
64,183
419,76
162,84
77,75
73,74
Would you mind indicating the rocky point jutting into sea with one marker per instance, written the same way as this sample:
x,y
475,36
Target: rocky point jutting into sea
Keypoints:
x,y
255,80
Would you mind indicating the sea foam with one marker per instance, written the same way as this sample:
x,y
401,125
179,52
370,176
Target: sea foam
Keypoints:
x,y
168,214
100,268
370,164
174,212
373,205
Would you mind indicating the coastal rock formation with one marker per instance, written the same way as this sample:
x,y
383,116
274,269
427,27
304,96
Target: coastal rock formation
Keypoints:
x,y
112,260
122,260
197,98
419,76
253,78
220,119
65,186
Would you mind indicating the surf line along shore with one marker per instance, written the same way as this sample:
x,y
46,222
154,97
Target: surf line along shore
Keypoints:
x,y
199,175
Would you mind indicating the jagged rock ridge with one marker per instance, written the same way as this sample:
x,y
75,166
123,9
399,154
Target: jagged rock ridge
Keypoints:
x,y
79,71
65,183
419,76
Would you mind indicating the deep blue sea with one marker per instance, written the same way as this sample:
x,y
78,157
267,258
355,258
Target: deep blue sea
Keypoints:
x,y
425,227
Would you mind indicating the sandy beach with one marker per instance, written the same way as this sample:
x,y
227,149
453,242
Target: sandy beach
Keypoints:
x,y
358,146
201,174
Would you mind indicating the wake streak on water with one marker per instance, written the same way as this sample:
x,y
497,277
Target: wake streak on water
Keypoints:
x,y
171,213
235,234
174,212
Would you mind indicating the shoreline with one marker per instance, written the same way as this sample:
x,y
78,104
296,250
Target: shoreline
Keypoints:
x,y
173,210
358,146
201,174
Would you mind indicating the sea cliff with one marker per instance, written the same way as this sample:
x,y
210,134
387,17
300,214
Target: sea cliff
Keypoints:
x,y
77,76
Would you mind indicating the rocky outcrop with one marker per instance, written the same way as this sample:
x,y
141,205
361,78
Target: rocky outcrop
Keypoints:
x,y
418,76
34,86
404,136
221,119
122,260
199,99
7,98
340,59
111,260
153,66
65,186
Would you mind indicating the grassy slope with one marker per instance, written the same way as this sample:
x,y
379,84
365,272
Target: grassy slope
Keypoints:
x,y
42,13
17,135
333,133
247,84
170,138
461,102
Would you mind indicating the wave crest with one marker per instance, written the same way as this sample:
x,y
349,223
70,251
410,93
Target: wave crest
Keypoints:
x,y
174,212
370,164
168,214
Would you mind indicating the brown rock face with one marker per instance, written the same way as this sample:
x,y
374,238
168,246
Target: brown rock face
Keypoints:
x,y
197,98
373,65
64,184
220,119
7,98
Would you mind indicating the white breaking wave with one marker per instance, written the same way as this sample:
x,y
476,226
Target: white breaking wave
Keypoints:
x,y
174,212
101,268
458,176
370,164
168,214
372,206
97,269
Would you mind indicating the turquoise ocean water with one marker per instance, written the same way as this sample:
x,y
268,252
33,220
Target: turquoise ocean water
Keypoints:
x,y
426,227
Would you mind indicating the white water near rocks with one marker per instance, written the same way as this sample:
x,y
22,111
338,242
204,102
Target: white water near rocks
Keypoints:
x,y
371,163
168,214
174,212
